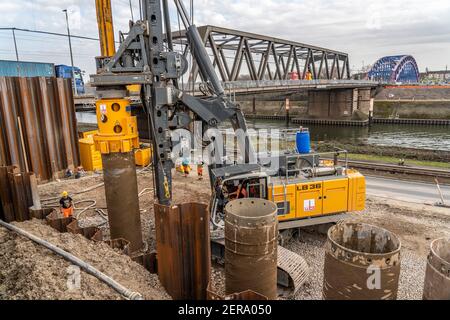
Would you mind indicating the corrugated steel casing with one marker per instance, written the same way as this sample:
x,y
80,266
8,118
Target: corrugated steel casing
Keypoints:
x,y
26,69
39,112
362,262
437,276
251,242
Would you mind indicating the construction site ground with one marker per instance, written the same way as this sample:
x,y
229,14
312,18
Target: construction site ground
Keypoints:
x,y
28,271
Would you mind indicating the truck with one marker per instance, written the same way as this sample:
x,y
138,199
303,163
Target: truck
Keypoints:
x,y
39,69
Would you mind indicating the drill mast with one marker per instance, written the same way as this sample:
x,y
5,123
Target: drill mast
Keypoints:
x,y
143,58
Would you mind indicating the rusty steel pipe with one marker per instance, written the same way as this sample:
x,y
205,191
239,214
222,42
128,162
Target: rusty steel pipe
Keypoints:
x,y
119,173
251,232
437,277
362,262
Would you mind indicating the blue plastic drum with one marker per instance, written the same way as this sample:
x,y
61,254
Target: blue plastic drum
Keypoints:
x,y
303,140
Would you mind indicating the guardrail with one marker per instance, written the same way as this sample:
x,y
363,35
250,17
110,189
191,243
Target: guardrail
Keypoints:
x,y
430,172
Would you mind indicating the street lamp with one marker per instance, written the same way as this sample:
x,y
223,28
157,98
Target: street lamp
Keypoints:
x,y
71,54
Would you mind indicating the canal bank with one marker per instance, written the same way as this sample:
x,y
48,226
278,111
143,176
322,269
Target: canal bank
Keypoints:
x,y
392,102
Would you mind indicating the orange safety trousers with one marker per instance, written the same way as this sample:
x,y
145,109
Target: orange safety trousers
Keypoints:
x,y
67,212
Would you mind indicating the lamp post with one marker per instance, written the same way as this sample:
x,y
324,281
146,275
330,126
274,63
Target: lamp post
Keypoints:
x,y
15,43
71,54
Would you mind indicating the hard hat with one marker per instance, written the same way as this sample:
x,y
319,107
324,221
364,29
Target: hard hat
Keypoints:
x,y
65,193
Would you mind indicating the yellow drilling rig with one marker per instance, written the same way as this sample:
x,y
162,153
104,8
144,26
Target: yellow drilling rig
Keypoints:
x,y
308,188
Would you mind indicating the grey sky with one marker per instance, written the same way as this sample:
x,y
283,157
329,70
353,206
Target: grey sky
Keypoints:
x,y
366,30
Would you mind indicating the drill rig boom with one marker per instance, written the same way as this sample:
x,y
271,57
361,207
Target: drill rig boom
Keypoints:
x,y
142,58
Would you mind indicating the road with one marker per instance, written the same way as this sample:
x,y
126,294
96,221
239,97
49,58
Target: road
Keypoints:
x,y
409,191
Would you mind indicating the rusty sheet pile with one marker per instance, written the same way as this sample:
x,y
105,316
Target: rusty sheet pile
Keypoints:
x,y
16,194
38,126
184,255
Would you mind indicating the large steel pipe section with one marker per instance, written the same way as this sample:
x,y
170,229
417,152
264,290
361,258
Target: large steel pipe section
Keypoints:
x,y
251,232
437,278
119,171
362,262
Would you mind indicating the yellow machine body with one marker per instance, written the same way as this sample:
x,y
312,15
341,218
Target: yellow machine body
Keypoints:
x,y
309,199
91,159
134,89
143,157
117,129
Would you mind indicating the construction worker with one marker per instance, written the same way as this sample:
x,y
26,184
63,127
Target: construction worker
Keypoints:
x,y
66,205
80,172
185,167
308,75
200,170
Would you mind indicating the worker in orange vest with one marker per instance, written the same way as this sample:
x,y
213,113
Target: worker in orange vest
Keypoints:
x,y
200,170
66,205
185,167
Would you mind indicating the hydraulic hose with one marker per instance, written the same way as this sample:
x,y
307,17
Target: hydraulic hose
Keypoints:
x,y
128,294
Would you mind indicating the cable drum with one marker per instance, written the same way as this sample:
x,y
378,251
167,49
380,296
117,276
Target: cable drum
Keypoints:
x,y
362,262
251,231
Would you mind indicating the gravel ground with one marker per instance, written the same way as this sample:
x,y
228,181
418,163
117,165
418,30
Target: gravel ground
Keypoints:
x,y
312,248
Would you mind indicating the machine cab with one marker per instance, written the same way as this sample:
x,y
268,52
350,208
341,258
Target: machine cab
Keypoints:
x,y
235,182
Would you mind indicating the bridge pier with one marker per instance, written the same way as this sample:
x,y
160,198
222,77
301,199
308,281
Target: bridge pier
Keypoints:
x,y
350,104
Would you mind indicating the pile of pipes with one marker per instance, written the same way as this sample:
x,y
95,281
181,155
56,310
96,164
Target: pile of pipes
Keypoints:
x,y
38,126
18,194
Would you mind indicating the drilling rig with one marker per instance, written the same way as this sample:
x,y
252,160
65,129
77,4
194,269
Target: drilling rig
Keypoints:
x,y
146,57
142,59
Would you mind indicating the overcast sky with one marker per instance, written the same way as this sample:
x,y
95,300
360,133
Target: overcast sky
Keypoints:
x,y
367,30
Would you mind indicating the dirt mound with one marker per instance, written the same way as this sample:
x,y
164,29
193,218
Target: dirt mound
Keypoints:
x,y
29,271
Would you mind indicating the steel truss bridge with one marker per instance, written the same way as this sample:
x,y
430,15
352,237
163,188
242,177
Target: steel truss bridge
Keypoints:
x,y
239,55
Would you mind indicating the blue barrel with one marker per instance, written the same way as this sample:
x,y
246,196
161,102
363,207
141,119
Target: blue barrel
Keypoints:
x,y
303,140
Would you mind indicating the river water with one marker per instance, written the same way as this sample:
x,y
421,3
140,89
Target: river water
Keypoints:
x,y
407,136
